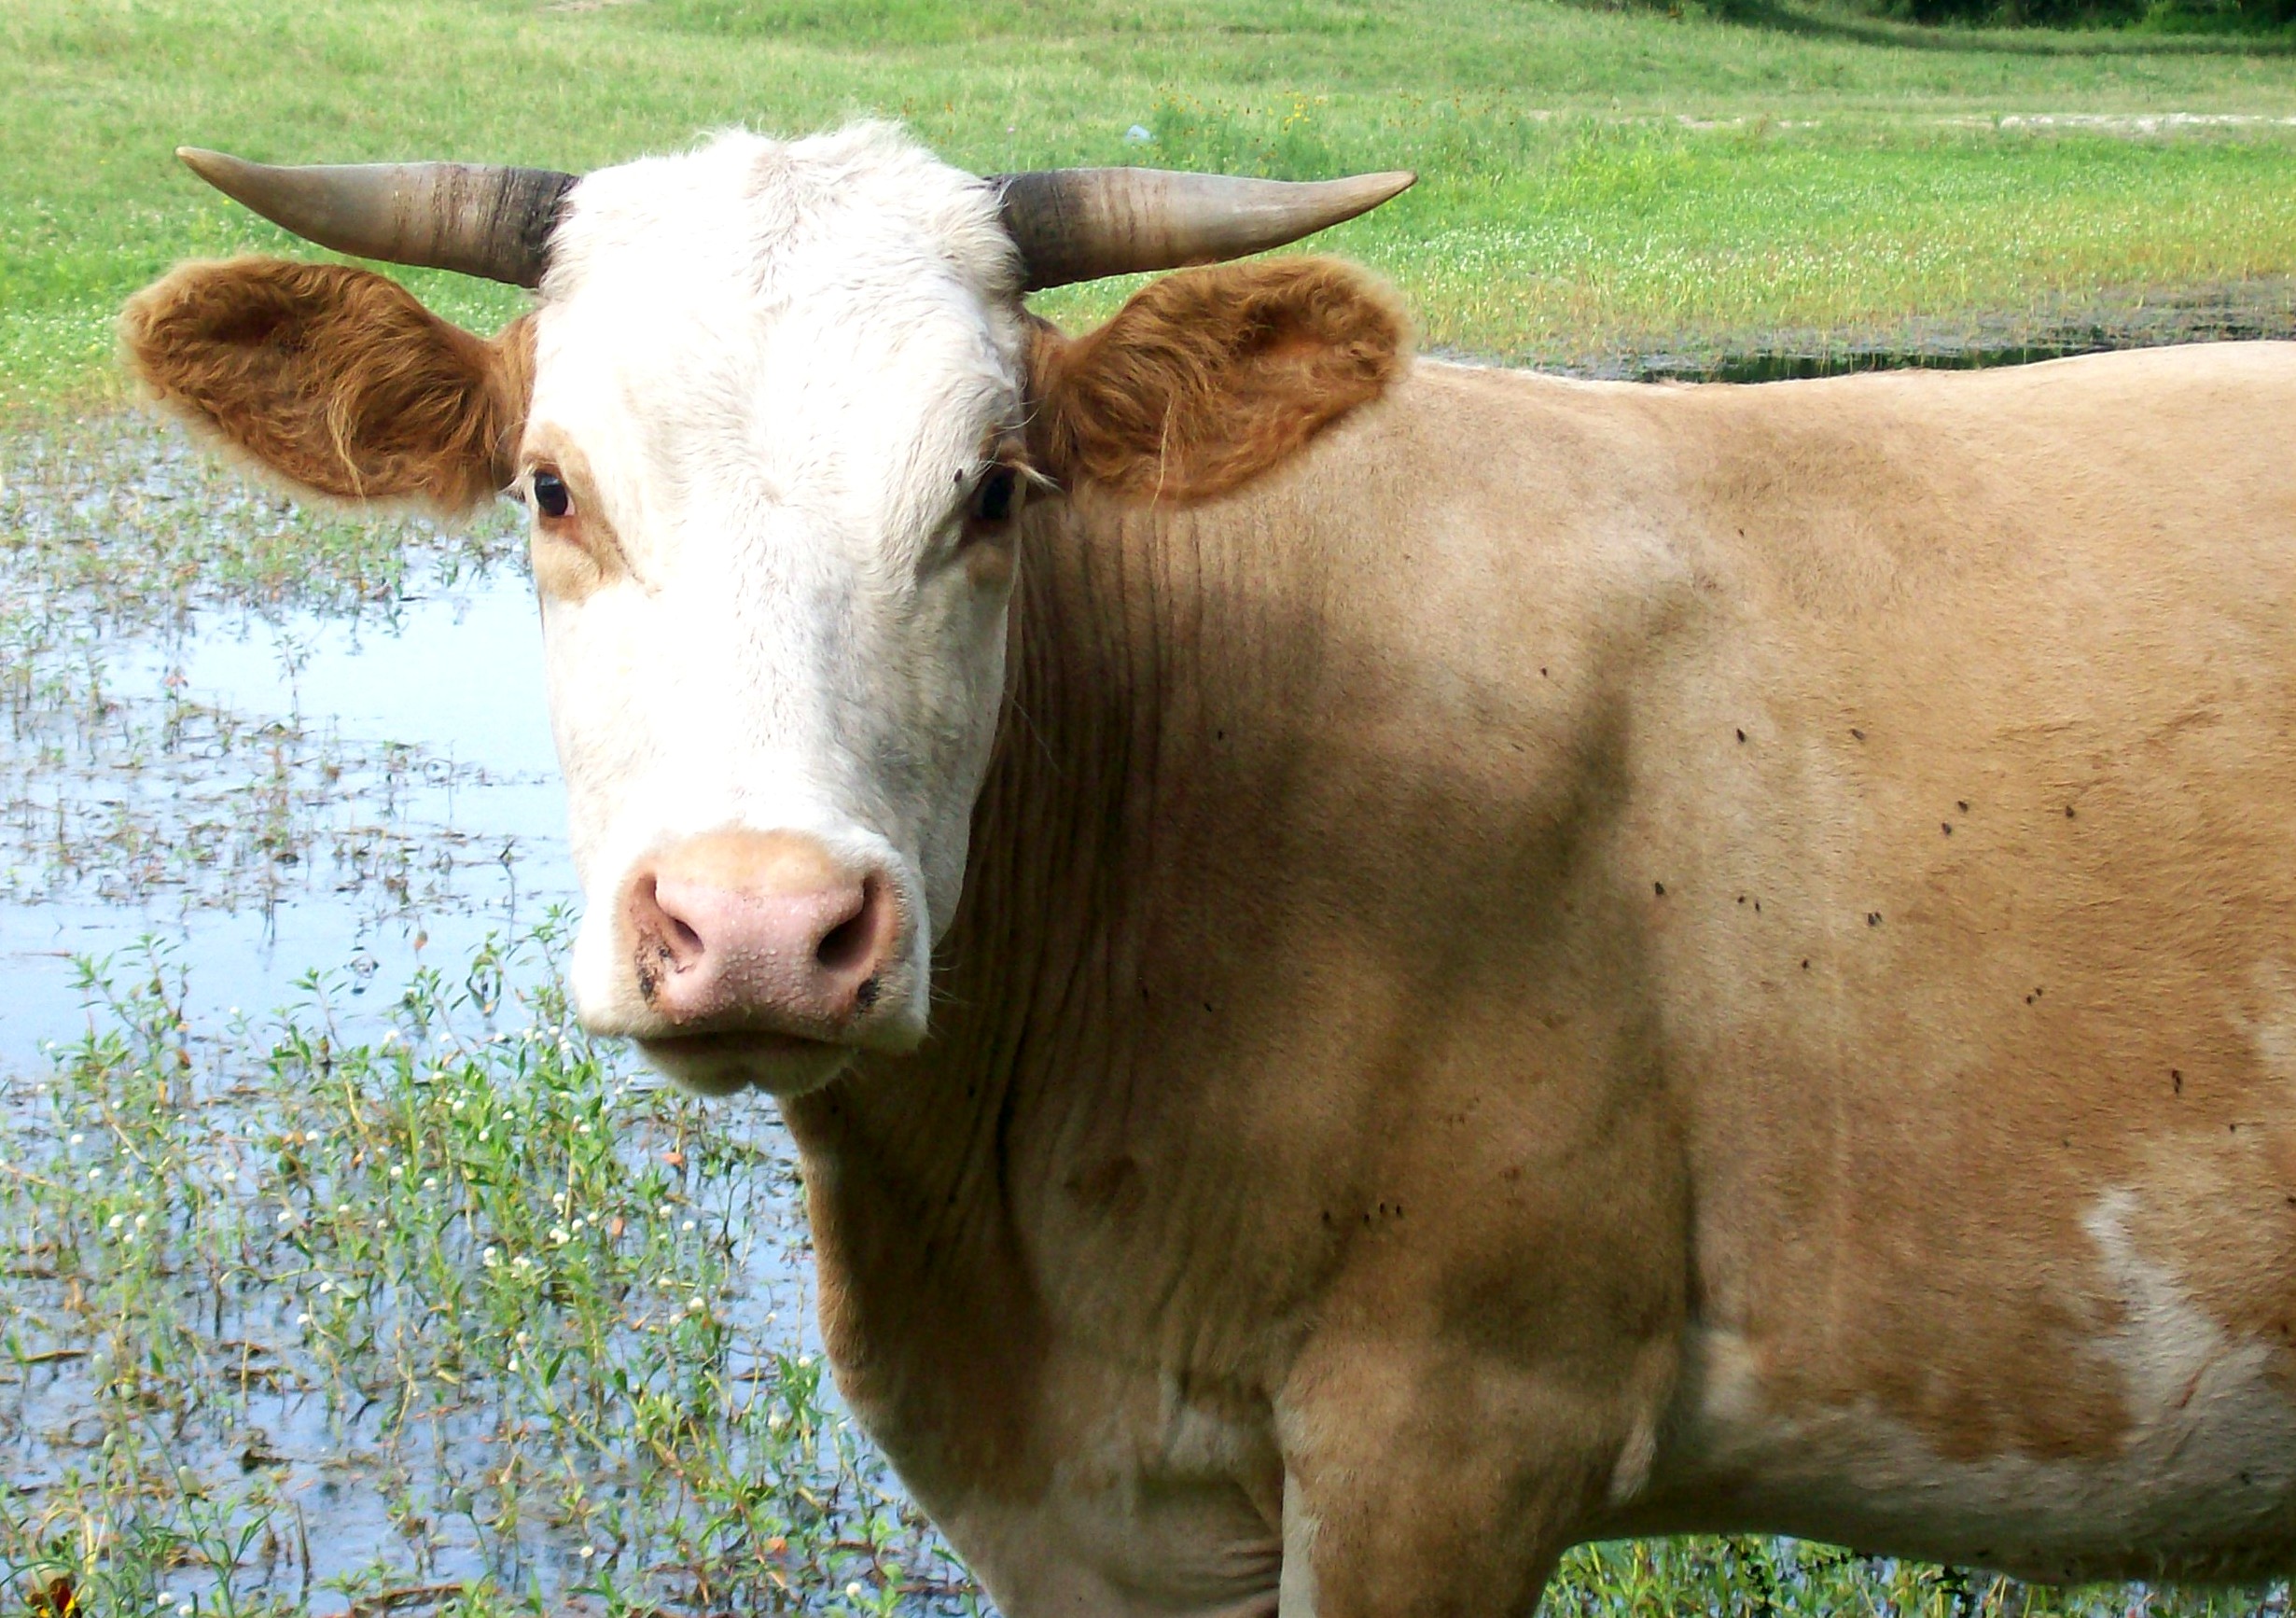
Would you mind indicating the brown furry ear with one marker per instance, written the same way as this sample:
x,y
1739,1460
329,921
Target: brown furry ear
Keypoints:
x,y
335,378
1207,378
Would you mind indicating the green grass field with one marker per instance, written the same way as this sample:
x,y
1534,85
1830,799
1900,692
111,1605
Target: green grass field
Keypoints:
x,y
1594,180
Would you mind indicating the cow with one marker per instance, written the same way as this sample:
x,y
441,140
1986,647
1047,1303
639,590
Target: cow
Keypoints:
x,y
1384,967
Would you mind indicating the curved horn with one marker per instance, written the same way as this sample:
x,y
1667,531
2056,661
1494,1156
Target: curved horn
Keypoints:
x,y
1082,224
475,220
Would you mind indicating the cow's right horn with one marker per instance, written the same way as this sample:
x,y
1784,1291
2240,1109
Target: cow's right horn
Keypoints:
x,y
475,220
1082,224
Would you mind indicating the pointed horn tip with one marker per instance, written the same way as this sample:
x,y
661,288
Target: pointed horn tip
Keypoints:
x,y
210,166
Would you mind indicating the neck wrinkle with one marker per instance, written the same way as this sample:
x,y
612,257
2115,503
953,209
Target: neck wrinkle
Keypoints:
x,y
923,1171
1036,968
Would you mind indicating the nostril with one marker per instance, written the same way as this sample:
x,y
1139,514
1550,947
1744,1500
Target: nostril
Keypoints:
x,y
844,944
669,934
851,943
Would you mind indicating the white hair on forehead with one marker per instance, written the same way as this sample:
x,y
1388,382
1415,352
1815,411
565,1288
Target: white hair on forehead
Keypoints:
x,y
830,322
751,206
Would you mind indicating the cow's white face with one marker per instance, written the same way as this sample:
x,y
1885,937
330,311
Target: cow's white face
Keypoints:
x,y
777,389
770,418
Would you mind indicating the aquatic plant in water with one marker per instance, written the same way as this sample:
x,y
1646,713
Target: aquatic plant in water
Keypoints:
x,y
471,1310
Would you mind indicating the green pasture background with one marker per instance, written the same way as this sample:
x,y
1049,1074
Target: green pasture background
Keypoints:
x,y
1594,181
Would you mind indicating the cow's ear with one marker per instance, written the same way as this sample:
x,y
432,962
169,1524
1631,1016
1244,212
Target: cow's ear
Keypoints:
x,y
1209,377
335,378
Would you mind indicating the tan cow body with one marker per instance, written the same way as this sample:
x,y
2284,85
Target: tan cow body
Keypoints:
x,y
1466,961
1588,960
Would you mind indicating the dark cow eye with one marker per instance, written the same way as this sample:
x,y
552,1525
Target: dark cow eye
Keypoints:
x,y
995,495
551,496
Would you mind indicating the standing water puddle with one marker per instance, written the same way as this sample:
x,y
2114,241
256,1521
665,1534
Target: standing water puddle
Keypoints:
x,y
282,792
344,1273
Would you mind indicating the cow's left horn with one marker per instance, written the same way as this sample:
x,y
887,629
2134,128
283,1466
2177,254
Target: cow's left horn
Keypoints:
x,y
1082,224
475,220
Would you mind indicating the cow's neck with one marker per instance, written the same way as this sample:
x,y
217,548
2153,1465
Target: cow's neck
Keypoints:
x,y
942,1185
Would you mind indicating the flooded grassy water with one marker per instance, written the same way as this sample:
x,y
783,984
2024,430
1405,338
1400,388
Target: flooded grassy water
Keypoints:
x,y
342,1272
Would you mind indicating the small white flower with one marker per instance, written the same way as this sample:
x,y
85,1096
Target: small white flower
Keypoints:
x,y
286,1216
694,1305
668,1211
523,1338
852,1592
587,1552
482,1134
230,1176
117,1220
325,1287
95,1173
581,1129
302,1319
430,1182
77,1139
489,1257
686,1226
398,1171
805,1362
342,1207
774,1419
559,1234
142,1220
514,1362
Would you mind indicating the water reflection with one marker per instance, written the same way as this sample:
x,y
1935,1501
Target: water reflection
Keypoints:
x,y
280,792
